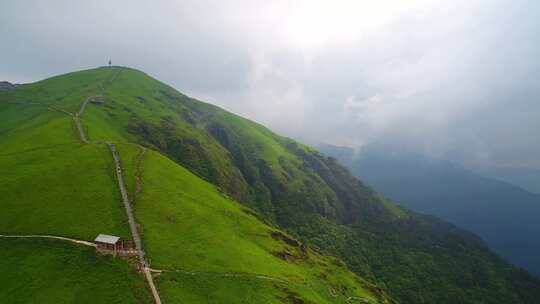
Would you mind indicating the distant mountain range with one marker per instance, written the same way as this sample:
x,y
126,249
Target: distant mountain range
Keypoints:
x,y
526,178
507,217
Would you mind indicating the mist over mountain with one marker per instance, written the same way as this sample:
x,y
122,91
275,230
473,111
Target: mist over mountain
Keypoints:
x,y
504,215
440,77
526,178
163,151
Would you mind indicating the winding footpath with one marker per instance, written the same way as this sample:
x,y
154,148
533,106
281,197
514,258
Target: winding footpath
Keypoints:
x,y
125,198
77,120
225,274
75,241
133,224
127,205
33,103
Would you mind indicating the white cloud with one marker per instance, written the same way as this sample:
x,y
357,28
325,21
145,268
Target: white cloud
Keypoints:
x,y
438,76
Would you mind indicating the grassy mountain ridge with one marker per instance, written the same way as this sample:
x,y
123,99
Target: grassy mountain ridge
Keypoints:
x,y
210,248
416,259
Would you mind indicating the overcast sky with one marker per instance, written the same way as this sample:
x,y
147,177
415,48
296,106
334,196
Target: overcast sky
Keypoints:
x,y
455,79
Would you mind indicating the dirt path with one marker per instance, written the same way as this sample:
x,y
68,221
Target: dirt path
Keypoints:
x,y
133,227
44,236
33,103
77,116
133,224
225,274
77,119
127,205
153,288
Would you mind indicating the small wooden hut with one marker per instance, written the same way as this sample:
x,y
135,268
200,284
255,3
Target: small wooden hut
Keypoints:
x,y
96,100
109,243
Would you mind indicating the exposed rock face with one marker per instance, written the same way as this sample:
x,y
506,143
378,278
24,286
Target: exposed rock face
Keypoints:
x,y
5,86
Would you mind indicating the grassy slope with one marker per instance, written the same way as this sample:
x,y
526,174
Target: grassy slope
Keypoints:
x,y
50,182
142,109
74,194
64,91
67,190
188,225
49,271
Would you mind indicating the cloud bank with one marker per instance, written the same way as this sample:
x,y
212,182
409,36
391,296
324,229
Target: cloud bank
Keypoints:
x,y
453,79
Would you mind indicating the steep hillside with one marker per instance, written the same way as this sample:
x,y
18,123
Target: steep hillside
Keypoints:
x,y
213,249
502,214
203,246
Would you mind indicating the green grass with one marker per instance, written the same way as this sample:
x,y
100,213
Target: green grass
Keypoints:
x,y
51,183
131,155
50,271
188,225
64,91
54,184
214,288
67,190
40,129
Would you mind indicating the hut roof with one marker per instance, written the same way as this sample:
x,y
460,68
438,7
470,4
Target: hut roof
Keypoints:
x,y
107,239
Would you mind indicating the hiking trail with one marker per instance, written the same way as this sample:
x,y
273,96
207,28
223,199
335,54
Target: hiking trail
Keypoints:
x,y
123,192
